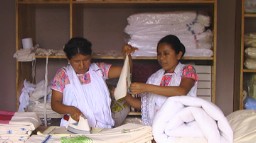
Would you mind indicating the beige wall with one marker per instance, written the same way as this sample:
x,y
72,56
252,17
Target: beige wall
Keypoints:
x,y
7,62
225,55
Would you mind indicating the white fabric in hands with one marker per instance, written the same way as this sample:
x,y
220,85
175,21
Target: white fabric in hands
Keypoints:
x,y
92,99
124,81
191,117
82,124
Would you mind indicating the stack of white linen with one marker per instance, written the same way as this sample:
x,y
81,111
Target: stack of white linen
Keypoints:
x,y
127,133
191,119
17,126
146,29
250,50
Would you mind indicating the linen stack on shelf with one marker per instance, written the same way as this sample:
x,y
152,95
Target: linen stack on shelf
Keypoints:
x,y
250,51
17,126
146,29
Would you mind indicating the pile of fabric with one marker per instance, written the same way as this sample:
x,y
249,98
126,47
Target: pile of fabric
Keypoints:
x,y
32,100
17,126
243,123
250,51
127,133
191,27
191,119
30,54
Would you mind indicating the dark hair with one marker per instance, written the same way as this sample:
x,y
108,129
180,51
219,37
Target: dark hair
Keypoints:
x,y
77,45
174,43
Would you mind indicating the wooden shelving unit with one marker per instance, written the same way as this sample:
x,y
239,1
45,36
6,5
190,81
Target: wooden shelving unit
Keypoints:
x,y
50,23
247,22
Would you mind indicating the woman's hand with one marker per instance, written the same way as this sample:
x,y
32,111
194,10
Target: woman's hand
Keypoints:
x,y
75,113
128,49
137,88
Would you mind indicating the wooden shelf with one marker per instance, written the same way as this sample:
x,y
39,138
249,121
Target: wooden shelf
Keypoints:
x,y
247,26
250,15
135,58
143,1
115,1
249,70
43,2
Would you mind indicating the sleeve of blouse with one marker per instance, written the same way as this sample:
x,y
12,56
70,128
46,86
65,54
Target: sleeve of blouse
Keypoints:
x,y
190,72
104,68
59,80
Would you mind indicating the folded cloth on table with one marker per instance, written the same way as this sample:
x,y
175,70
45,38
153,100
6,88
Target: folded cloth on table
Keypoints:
x,y
191,117
13,138
243,123
17,126
127,133
26,119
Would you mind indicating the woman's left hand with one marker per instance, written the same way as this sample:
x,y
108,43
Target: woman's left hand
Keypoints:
x,y
128,49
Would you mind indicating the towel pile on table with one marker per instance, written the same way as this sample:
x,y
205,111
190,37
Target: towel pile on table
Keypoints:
x,y
17,126
127,133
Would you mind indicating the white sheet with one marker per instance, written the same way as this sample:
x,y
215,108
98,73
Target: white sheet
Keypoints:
x,y
124,81
184,116
243,123
128,133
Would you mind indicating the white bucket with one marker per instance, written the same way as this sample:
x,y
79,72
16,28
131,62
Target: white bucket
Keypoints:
x,y
27,43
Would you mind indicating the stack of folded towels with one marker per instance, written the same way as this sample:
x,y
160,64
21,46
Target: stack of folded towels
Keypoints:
x,y
250,50
17,126
192,28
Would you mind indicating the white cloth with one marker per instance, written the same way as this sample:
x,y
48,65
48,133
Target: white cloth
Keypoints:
x,y
191,27
170,18
151,103
185,116
24,55
124,81
24,97
243,123
92,99
19,127
128,133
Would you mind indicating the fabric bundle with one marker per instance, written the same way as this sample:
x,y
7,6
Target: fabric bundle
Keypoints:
x,y
24,55
146,29
31,99
187,119
250,51
17,126
127,133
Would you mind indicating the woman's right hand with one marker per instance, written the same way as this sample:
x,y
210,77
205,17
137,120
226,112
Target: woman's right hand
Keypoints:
x,y
137,87
75,113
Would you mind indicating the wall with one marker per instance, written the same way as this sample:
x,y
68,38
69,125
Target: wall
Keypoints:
x,y
7,62
225,54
